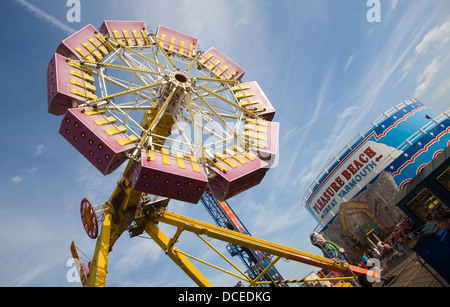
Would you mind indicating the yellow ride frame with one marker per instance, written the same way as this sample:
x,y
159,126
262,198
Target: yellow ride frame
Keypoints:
x,y
98,268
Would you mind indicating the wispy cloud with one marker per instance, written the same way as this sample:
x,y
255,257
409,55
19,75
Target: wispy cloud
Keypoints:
x,y
41,14
39,149
426,77
442,89
17,179
349,62
434,39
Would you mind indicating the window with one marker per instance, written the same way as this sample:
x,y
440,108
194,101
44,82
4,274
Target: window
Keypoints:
x,y
423,204
444,178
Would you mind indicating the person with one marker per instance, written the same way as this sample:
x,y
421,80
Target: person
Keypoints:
x,y
386,248
380,246
442,220
365,259
376,252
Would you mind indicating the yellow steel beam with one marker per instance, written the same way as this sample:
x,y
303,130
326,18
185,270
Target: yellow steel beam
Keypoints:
x,y
216,80
161,239
253,282
104,251
192,63
165,53
97,271
226,259
219,233
211,265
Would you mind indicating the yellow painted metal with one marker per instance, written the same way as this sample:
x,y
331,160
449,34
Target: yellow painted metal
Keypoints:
x,y
85,56
246,278
209,264
191,112
165,156
105,121
235,156
194,164
180,160
80,67
143,56
145,36
104,251
102,49
225,159
116,130
217,165
162,40
257,122
253,283
116,35
97,270
181,47
192,63
127,37
127,140
86,95
92,51
191,50
215,80
81,75
221,71
157,117
126,92
205,59
103,41
219,233
151,153
84,85
161,47
249,113
136,37
244,153
161,239
163,128
172,43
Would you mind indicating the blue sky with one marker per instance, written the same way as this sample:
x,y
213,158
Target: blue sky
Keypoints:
x,y
325,68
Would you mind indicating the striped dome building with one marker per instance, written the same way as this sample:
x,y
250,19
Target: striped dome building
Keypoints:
x,y
353,198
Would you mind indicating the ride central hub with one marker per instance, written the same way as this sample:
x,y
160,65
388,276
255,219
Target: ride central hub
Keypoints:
x,y
174,92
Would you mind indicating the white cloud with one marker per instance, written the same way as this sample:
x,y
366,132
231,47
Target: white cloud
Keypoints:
x,y
442,89
17,179
349,62
39,149
138,253
426,77
41,14
435,38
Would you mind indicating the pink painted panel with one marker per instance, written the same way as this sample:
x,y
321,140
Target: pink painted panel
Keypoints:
x,y
232,66
67,47
170,181
237,180
92,141
270,137
60,99
110,25
178,37
264,102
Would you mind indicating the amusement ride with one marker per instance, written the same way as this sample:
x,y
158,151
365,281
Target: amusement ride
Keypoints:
x,y
186,127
